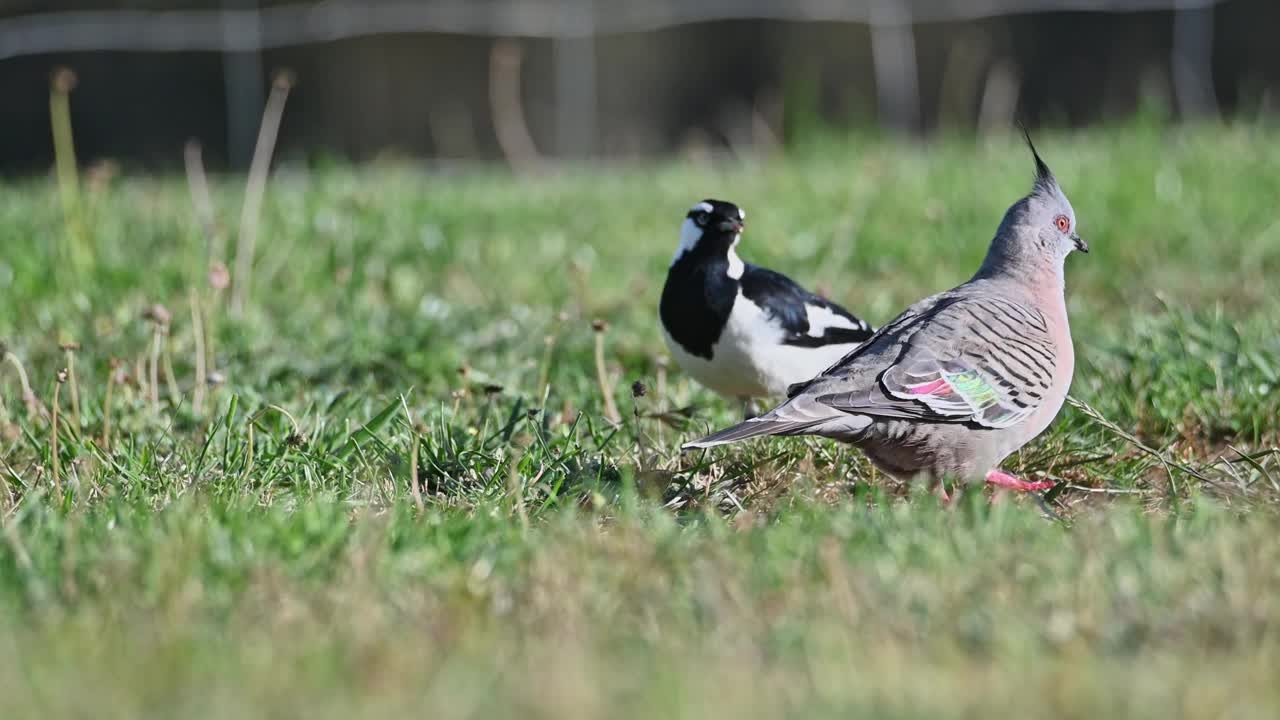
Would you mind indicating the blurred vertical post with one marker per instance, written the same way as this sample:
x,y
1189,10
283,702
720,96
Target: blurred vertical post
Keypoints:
x,y
242,78
893,52
1193,58
574,54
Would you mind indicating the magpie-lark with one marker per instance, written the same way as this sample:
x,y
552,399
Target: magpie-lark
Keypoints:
x,y
742,330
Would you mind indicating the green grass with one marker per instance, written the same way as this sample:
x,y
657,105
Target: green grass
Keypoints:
x,y
265,557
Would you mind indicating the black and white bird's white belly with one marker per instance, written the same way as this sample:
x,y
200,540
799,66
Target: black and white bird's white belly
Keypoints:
x,y
745,331
751,357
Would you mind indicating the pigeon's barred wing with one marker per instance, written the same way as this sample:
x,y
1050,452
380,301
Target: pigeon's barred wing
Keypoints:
x,y
986,360
806,319
958,358
901,326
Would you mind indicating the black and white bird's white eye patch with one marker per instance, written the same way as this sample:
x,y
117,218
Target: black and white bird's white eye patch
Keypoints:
x,y
701,213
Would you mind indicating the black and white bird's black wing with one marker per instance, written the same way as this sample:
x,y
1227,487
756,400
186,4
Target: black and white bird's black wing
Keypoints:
x,y
807,320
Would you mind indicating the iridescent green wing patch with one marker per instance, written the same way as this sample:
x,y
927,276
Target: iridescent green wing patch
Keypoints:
x,y
973,388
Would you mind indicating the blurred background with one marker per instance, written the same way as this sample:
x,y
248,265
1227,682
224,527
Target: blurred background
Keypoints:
x,y
523,80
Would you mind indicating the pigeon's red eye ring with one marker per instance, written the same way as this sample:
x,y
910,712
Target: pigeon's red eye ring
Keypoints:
x,y
1062,222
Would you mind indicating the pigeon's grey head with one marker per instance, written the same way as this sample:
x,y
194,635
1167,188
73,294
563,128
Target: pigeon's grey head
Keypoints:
x,y
711,227
1039,230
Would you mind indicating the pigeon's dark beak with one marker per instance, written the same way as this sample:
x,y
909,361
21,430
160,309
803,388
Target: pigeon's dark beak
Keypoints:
x,y
734,226
1081,245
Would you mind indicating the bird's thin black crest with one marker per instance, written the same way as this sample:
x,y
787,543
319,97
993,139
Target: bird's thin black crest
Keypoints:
x,y
1043,173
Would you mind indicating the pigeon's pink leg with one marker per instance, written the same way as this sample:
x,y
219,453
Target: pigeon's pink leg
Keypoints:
x,y
1005,480
942,494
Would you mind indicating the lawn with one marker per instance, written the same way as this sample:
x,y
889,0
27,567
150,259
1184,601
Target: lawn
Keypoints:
x,y
254,545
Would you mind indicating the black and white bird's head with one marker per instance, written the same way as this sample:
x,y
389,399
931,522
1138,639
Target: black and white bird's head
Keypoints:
x,y
711,229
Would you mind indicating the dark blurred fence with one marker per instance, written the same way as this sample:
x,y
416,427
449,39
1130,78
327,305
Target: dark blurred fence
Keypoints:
x,y
487,78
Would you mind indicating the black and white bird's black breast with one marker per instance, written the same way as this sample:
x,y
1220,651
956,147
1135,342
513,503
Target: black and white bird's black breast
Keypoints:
x,y
744,330
697,301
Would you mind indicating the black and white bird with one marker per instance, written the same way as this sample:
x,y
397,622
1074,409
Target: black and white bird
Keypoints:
x,y
741,330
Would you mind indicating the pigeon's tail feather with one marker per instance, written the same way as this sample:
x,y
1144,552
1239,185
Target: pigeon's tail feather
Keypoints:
x,y
798,416
758,427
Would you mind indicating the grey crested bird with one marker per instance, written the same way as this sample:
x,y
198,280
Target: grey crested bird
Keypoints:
x,y
745,331
962,379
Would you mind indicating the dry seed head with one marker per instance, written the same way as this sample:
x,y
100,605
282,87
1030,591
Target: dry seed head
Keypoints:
x,y
69,346
599,325
284,79
102,172
491,390
219,276
64,80
62,376
639,389
158,314
216,378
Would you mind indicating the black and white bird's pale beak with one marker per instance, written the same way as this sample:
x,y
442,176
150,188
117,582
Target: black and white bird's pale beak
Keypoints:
x,y
1081,245
734,226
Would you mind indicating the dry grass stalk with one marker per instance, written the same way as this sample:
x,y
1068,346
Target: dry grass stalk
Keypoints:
x,y
638,391
54,460
114,375
1169,464
413,472
248,463
62,83
259,170
415,482
69,351
153,374
219,280
159,318
139,372
202,375
202,199
661,362
417,430
602,374
170,378
515,487
29,399
544,367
